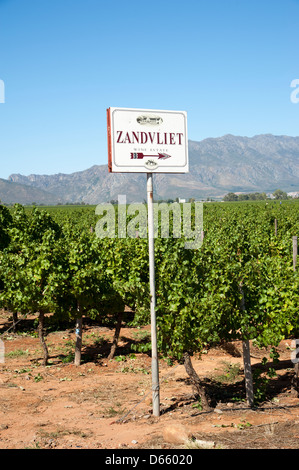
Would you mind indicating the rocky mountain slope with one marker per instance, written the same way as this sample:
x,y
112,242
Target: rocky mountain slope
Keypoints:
x,y
217,166
11,193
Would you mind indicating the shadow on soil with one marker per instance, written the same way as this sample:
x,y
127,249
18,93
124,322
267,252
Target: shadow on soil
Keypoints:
x,y
217,391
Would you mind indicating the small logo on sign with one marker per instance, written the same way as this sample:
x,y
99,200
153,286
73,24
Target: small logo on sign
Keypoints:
x,y
151,120
151,164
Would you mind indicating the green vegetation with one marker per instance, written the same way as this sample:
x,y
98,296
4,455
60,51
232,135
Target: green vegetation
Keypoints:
x,y
278,194
239,285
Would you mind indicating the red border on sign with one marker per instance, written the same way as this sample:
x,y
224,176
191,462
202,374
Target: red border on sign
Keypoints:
x,y
109,140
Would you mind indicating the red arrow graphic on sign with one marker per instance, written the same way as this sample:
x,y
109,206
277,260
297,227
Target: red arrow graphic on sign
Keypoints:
x,y
139,155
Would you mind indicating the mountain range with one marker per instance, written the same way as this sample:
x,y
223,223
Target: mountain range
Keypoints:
x,y
219,165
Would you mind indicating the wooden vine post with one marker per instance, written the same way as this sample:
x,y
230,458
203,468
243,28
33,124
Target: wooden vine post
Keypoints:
x,y
116,336
41,335
78,345
247,361
295,252
296,366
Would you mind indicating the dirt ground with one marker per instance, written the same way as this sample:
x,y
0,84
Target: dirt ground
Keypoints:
x,y
105,404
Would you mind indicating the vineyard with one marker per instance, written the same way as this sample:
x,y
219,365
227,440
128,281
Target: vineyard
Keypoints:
x,y
240,287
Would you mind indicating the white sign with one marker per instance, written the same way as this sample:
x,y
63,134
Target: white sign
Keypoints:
x,y
147,141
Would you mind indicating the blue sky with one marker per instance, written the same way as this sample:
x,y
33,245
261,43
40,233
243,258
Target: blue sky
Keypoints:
x,y
228,63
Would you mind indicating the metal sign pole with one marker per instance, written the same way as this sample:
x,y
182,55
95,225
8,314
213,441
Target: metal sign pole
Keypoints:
x,y
155,366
